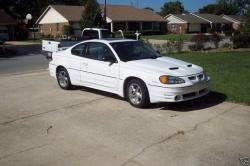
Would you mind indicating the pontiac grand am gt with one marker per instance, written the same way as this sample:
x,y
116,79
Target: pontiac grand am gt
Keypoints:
x,y
130,69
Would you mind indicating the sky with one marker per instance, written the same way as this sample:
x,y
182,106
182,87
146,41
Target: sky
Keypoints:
x,y
190,5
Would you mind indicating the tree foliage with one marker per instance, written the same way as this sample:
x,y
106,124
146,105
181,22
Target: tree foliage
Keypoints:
x,y
91,16
221,7
229,7
172,7
245,26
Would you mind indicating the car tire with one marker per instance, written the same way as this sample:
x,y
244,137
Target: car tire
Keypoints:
x,y
63,79
137,93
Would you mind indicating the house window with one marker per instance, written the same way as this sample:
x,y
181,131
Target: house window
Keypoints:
x,y
147,25
119,26
173,27
156,25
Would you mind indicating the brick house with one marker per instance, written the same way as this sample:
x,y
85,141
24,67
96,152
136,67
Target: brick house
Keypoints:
x,y
197,23
7,26
236,20
127,18
184,23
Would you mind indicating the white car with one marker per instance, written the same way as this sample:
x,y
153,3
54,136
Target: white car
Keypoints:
x,y
130,69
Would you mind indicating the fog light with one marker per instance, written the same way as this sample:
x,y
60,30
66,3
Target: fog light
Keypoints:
x,y
177,98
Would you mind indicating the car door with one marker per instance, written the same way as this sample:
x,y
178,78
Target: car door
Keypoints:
x,y
74,61
98,71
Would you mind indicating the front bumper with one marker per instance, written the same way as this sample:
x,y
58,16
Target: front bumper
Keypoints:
x,y
171,94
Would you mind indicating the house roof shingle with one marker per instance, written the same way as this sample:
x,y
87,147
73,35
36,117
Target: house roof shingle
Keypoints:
x,y
213,18
114,12
190,18
129,13
6,19
237,18
71,13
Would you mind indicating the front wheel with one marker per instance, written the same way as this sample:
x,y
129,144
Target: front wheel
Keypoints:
x,y
63,79
137,93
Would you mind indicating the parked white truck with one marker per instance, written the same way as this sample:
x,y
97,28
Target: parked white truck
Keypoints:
x,y
50,46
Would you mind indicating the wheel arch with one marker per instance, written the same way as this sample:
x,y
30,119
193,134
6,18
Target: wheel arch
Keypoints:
x,y
126,81
59,67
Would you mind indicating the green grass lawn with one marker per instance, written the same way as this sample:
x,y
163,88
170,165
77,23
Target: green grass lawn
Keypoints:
x,y
173,37
229,72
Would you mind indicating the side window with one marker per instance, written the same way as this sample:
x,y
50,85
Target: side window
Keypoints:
x,y
99,51
79,50
90,34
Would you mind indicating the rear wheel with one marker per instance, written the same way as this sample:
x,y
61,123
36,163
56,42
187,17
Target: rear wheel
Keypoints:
x,y
137,93
63,79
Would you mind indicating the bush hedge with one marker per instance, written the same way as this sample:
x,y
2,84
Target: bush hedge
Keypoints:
x,y
241,41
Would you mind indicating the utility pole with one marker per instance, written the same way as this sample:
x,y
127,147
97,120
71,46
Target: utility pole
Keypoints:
x,y
105,14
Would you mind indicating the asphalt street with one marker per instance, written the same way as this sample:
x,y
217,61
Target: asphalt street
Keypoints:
x,y
22,58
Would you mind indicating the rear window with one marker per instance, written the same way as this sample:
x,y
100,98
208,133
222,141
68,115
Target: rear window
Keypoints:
x,y
90,34
106,34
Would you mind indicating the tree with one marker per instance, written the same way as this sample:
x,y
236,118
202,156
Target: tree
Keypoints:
x,y
211,8
91,16
172,8
245,28
242,5
229,7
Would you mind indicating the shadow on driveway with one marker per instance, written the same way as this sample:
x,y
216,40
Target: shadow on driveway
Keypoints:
x,y
210,100
12,51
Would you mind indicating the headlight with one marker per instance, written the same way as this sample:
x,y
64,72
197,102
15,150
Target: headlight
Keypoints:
x,y
171,80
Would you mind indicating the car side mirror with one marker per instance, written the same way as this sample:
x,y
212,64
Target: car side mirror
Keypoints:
x,y
110,59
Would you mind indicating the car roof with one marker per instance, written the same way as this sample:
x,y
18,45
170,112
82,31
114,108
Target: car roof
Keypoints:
x,y
96,29
110,40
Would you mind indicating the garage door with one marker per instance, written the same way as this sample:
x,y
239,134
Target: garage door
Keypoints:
x,y
194,28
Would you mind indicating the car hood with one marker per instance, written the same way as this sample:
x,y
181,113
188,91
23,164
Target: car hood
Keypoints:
x,y
166,65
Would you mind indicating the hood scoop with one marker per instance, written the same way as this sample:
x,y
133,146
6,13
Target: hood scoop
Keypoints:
x,y
174,68
190,65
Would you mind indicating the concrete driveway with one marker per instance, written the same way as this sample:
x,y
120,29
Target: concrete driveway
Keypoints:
x,y
40,124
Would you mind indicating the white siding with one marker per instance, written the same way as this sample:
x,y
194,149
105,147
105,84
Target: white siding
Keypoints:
x,y
194,27
52,16
173,20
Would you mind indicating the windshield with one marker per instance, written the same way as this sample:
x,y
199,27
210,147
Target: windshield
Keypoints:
x,y
106,34
134,50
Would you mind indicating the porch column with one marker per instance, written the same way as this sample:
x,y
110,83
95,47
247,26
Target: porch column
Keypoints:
x,y
126,26
112,26
152,26
140,26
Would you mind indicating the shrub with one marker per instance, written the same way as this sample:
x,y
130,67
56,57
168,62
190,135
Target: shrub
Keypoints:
x,y
200,39
196,47
227,45
178,45
228,33
150,32
130,36
241,41
67,30
216,39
